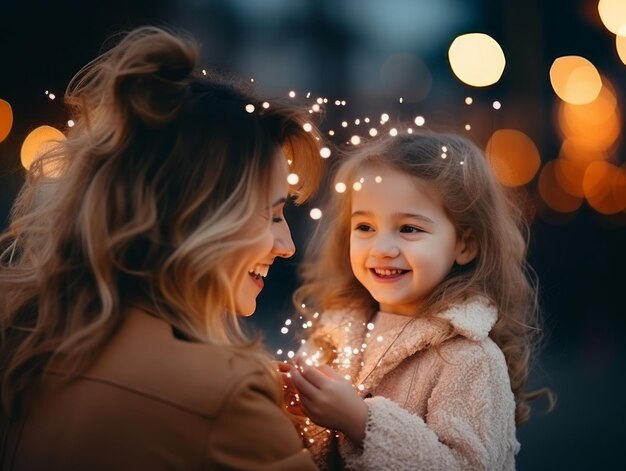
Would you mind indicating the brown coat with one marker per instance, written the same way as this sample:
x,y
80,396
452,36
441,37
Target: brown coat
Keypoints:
x,y
154,402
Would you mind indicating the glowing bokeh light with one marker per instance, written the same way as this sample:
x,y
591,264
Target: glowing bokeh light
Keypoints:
x,y
613,14
250,108
620,44
575,80
419,120
598,184
325,152
476,59
595,125
316,213
39,141
569,175
355,140
293,179
513,156
552,194
340,187
307,127
6,119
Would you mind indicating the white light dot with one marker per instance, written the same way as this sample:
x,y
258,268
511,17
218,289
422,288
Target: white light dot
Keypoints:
x,y
337,103
357,121
307,127
461,162
361,387
344,124
288,322
401,99
266,105
279,351
325,152
379,338
370,326
444,149
419,120
373,132
46,92
469,100
362,180
355,140
293,178
204,72
315,107
52,96
284,330
410,131
444,155
308,95
252,79
343,102
290,354
340,187
292,94
71,123
250,108
357,186
393,132
378,179
331,133
497,105
468,127
316,213
384,117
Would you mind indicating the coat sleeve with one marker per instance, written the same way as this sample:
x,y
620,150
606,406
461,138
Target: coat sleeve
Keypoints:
x,y
469,424
253,433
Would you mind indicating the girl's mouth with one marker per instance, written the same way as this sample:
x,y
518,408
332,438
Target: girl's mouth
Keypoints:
x,y
388,274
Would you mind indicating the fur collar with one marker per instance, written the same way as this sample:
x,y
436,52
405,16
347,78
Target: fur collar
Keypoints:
x,y
472,320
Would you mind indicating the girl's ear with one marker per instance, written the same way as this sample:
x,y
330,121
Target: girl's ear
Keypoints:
x,y
467,248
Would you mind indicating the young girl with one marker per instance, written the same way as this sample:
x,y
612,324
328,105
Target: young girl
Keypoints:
x,y
426,308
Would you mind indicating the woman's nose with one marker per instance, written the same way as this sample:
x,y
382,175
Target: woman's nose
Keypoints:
x,y
283,243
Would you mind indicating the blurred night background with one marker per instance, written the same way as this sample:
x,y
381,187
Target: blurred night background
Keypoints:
x,y
567,159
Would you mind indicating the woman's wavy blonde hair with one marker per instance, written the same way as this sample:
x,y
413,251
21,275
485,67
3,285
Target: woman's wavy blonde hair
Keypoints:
x,y
475,202
151,193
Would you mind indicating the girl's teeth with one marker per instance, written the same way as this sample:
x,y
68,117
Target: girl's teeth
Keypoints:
x,y
387,272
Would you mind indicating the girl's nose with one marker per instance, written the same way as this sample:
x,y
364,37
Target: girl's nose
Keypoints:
x,y
384,247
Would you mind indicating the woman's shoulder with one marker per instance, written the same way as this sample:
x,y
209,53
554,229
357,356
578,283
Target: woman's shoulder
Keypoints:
x,y
145,357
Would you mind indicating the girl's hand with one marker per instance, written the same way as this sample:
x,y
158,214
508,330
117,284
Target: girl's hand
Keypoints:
x,y
330,400
291,401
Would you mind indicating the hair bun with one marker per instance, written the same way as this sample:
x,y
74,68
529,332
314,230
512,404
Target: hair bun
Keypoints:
x,y
150,67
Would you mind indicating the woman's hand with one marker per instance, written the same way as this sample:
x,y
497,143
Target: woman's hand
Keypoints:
x,y
291,401
330,400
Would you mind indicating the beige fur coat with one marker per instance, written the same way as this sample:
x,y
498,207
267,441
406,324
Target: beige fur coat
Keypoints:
x,y
445,410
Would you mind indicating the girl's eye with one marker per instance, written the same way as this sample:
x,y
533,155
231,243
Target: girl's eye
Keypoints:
x,y
410,229
362,228
277,219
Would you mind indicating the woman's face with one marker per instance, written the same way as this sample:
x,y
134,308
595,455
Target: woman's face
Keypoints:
x,y
269,228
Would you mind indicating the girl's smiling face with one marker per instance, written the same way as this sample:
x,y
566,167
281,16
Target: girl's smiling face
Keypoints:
x,y
402,242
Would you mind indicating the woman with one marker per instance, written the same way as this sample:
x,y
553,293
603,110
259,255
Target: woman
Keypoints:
x,y
133,247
